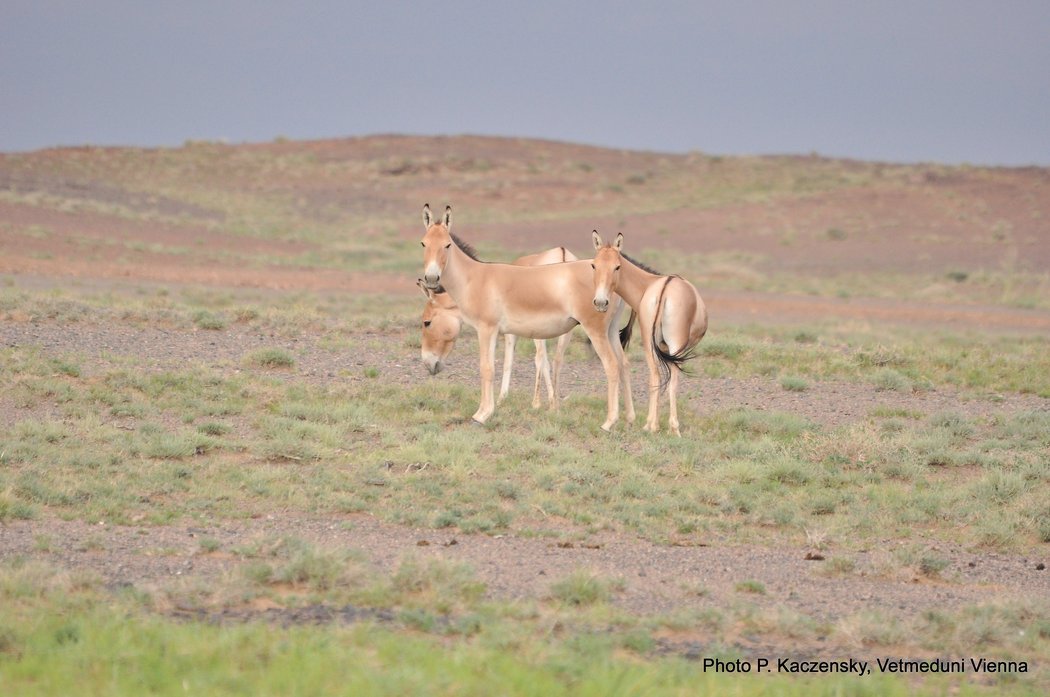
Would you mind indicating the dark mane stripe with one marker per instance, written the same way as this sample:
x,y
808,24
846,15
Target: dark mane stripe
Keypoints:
x,y
465,247
643,267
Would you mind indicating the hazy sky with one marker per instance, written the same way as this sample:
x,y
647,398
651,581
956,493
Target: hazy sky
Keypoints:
x,y
944,80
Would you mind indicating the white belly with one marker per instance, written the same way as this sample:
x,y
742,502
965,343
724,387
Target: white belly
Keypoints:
x,y
537,326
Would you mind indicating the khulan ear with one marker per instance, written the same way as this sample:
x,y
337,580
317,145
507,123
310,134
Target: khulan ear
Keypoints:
x,y
448,217
597,239
618,244
427,218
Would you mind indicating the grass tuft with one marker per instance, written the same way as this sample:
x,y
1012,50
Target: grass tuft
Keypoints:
x,y
889,379
271,358
583,589
208,320
751,586
793,383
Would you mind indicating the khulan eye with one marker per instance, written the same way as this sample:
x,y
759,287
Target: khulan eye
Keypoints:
x,y
426,323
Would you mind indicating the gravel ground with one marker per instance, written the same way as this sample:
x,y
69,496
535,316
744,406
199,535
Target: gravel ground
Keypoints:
x,y
656,579
829,403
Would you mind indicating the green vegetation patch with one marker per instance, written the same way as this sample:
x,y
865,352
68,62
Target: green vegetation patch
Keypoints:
x,y
196,442
68,633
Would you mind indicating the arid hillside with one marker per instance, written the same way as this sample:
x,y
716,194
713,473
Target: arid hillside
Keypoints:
x,y
344,214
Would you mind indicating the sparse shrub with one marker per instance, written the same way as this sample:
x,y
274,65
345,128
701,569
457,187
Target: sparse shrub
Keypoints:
x,y
133,411
784,515
880,357
890,380
447,519
836,234
310,567
996,531
751,586
443,582
1031,426
209,544
92,543
639,641
467,625
12,508
893,426
934,448
824,503
175,446
875,629
787,470
932,566
1000,487
34,431
419,619
838,566
286,446
793,383
686,527
507,489
883,411
953,422
67,634
271,358
982,626
772,423
721,348
213,428
1044,530
43,543
350,504
257,572
66,368
957,276
804,337
905,471
208,320
581,588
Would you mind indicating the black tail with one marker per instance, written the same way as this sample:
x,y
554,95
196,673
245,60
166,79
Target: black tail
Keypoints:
x,y
669,361
625,333
677,360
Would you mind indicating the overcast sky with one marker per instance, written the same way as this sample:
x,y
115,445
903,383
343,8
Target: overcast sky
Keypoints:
x,y
945,80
